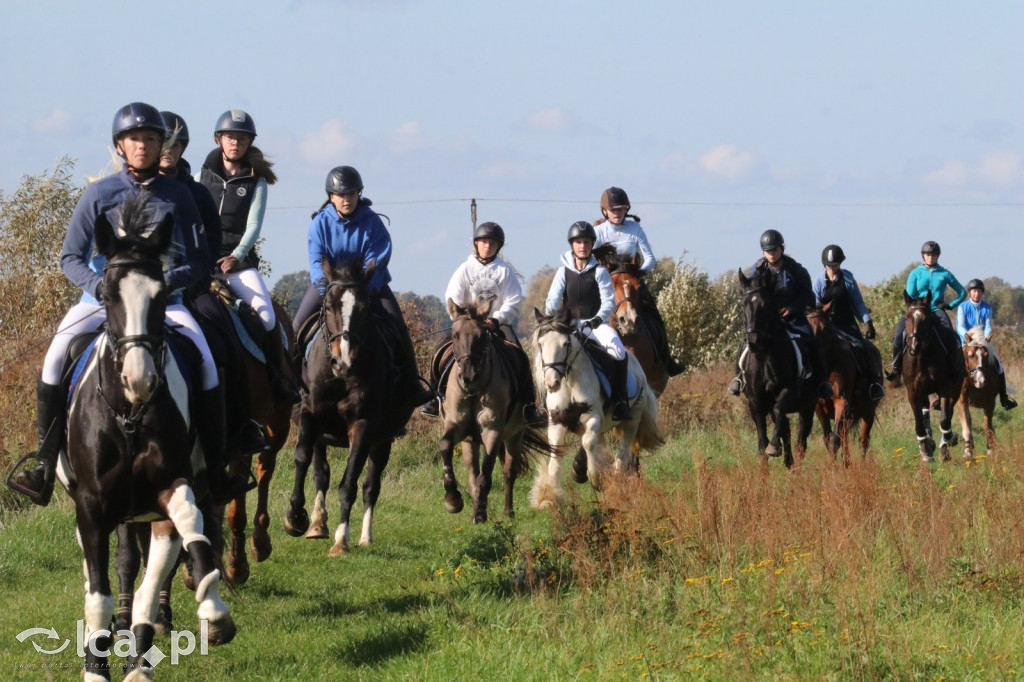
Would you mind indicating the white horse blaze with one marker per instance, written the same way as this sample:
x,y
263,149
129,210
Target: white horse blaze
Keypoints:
x,y
138,368
348,303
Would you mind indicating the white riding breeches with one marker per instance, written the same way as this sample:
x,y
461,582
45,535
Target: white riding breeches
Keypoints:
x,y
609,340
249,286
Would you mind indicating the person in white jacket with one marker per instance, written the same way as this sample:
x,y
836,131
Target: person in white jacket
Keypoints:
x,y
485,275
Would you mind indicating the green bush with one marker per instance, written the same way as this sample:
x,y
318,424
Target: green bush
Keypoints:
x,y
701,316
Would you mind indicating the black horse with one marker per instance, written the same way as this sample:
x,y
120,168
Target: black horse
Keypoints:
x,y
353,400
770,373
130,442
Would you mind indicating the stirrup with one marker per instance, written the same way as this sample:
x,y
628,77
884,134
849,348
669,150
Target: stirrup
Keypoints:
x,y
18,481
736,386
432,408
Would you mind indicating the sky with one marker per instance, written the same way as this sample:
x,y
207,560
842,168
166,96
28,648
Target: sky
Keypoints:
x,y
873,125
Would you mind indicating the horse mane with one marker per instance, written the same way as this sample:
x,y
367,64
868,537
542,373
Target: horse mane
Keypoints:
x,y
975,337
132,223
561,321
349,273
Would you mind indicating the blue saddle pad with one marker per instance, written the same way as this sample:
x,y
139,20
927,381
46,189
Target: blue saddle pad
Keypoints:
x,y
632,385
86,356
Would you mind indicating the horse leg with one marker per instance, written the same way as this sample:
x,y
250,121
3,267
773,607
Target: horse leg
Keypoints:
x,y
964,408
843,422
760,420
598,459
236,570
923,429
510,468
482,490
990,432
624,462
783,431
828,435
99,602
296,520
127,562
949,438
453,503
375,466
180,506
164,547
262,546
358,453
804,432
164,616
321,486
547,492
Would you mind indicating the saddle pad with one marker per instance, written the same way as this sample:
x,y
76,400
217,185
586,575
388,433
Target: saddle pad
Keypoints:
x,y
245,337
80,365
632,386
83,361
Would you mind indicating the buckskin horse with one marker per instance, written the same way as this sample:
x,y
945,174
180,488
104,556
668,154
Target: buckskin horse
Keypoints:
x,y
980,389
130,444
851,404
351,402
575,402
482,407
769,372
928,369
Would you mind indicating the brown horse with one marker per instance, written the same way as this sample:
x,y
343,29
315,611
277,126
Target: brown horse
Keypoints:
x,y
634,330
980,389
851,403
927,370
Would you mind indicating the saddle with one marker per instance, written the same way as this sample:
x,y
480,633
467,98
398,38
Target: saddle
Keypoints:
x,y
509,354
312,327
602,363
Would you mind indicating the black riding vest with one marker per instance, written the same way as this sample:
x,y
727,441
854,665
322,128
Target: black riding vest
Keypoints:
x,y
582,293
233,197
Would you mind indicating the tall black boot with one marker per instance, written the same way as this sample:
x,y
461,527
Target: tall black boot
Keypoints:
x,y
528,393
37,483
279,370
897,363
820,368
224,486
620,392
410,378
1006,401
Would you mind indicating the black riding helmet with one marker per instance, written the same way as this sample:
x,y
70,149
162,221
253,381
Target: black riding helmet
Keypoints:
x,y
772,239
931,247
136,116
342,180
832,255
176,127
234,120
581,229
976,284
490,231
614,197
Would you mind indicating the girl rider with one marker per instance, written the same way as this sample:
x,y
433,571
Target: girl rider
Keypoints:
x,y
975,312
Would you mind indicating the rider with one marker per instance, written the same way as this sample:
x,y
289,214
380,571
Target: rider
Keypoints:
x,y
975,312
138,134
345,227
630,242
586,288
794,294
251,438
838,286
485,273
930,278
237,175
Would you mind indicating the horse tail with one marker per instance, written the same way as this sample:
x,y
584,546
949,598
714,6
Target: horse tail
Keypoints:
x,y
648,435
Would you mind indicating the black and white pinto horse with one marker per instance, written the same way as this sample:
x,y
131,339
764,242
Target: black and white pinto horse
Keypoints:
x,y
770,372
130,445
575,402
352,402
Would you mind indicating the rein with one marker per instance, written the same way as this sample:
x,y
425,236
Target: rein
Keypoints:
x,y
344,335
569,361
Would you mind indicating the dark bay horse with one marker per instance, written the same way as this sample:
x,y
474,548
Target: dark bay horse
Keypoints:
x,y
980,389
851,404
927,370
482,407
769,372
129,452
352,402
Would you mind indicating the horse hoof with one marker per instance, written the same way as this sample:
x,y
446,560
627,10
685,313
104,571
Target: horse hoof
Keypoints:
x,y
318,531
927,459
339,549
261,545
163,624
579,466
139,674
453,503
237,574
772,450
222,631
296,522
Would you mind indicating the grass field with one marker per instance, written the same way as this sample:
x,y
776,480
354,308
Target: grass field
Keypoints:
x,y
712,566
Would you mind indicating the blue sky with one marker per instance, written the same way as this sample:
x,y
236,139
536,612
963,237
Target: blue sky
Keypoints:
x,y
874,125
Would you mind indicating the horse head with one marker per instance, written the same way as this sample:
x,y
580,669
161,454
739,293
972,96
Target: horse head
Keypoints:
x,y
553,341
918,322
627,287
977,352
469,341
345,313
760,312
135,295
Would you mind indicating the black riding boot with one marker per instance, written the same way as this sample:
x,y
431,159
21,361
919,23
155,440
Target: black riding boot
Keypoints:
x,y
620,392
819,367
282,379
1006,401
531,415
897,363
224,486
37,483
672,366
410,378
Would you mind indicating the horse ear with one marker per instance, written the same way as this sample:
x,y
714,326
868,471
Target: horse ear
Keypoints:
x,y
483,307
538,316
370,268
907,299
106,239
328,268
744,280
453,309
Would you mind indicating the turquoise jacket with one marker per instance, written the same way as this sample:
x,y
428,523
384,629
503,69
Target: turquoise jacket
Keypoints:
x,y
924,280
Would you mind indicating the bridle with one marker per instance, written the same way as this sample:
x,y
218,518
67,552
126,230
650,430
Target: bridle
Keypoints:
x,y
915,335
460,360
345,334
561,367
154,344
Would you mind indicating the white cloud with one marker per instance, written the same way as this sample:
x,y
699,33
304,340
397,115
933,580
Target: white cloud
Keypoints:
x,y
728,161
992,168
1000,168
554,120
56,122
951,173
407,137
329,143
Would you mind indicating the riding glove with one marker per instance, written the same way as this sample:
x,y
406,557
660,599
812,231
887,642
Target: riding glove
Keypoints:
x,y
870,333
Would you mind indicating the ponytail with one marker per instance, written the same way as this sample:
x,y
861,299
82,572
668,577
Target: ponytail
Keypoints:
x,y
322,207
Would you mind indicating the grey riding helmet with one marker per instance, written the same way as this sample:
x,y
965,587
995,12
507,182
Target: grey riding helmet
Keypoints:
x,y
137,116
581,229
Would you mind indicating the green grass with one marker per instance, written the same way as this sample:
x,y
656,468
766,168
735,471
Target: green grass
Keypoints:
x,y
714,567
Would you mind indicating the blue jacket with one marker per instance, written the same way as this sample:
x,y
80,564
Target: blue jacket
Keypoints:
x,y
339,239
793,289
187,260
923,280
970,315
856,298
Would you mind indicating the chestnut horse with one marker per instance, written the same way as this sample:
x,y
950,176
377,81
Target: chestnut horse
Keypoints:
x,y
927,370
980,389
634,330
851,403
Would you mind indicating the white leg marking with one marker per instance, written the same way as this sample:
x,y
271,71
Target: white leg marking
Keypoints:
x,y
184,513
